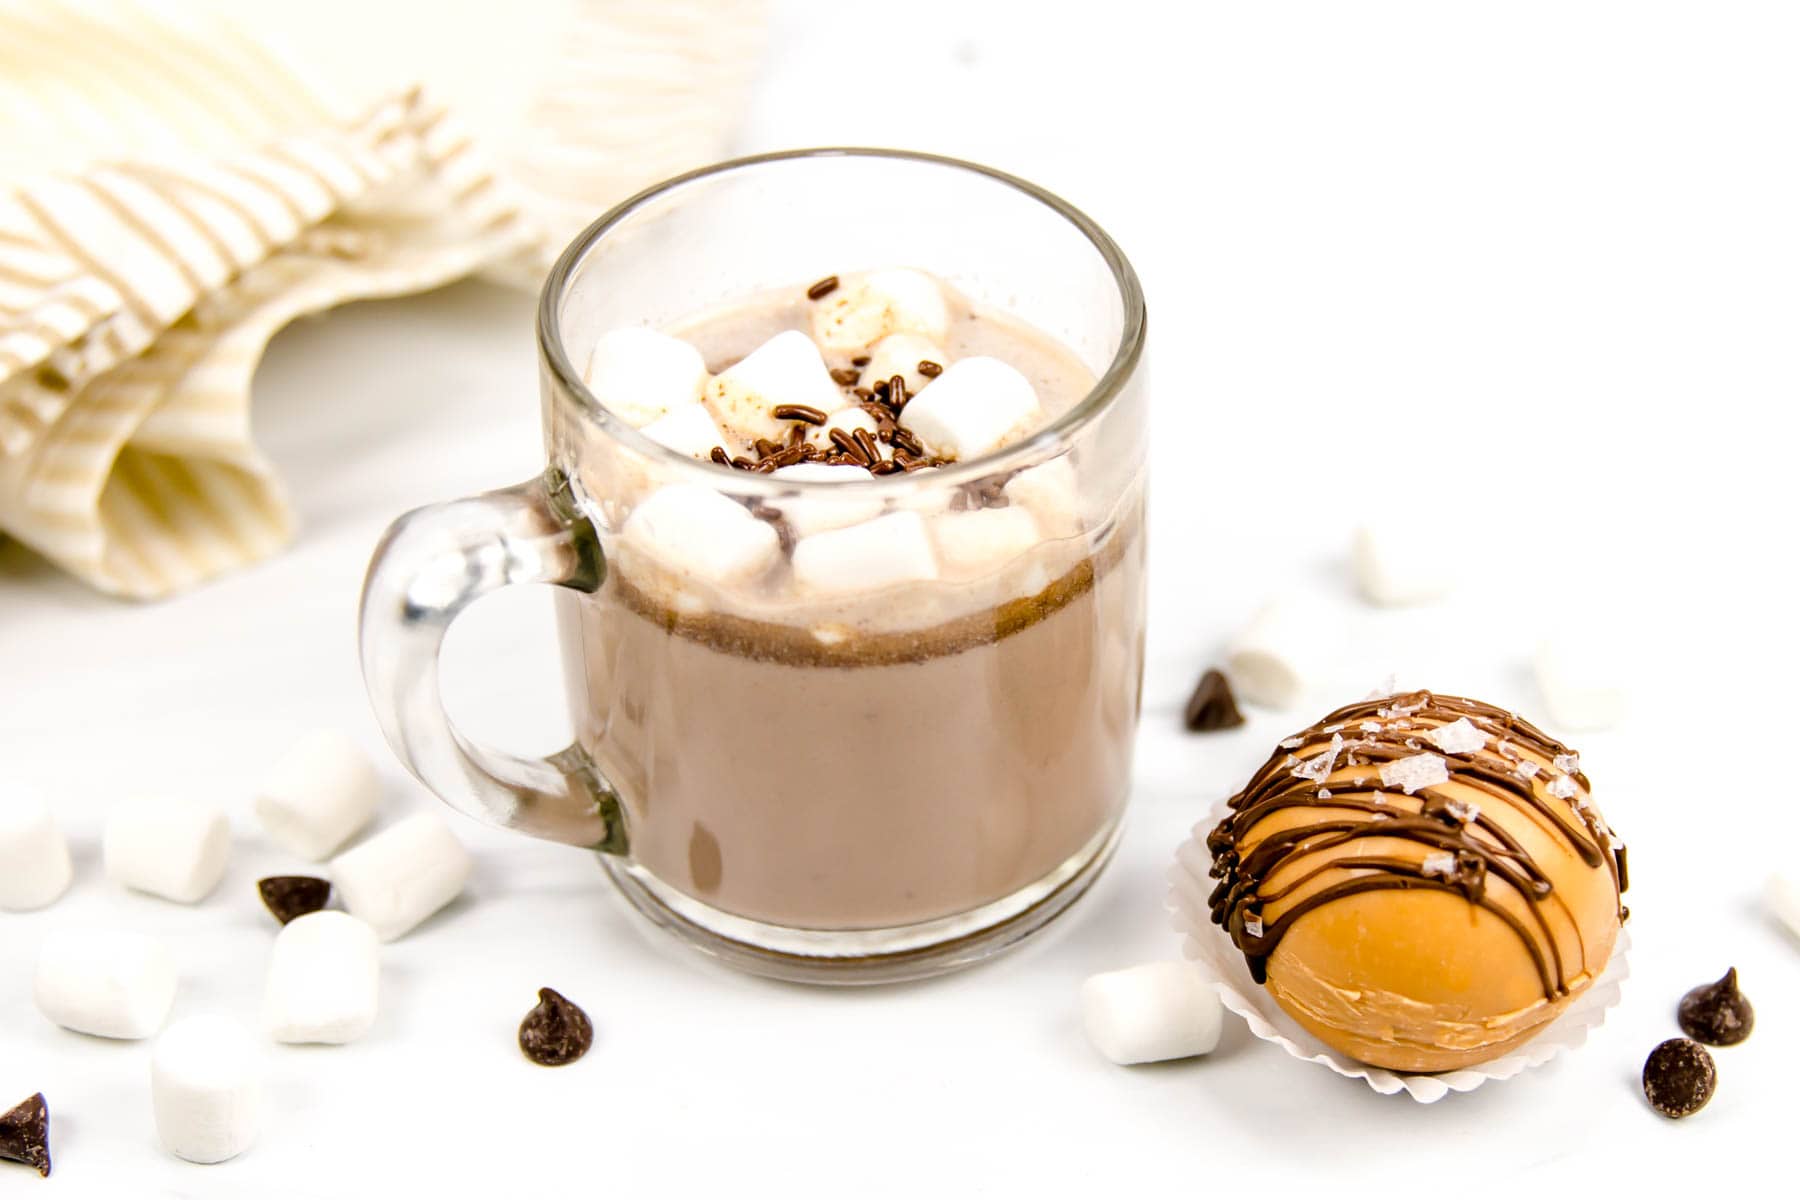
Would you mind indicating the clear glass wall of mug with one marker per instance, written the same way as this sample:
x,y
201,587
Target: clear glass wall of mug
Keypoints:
x,y
851,787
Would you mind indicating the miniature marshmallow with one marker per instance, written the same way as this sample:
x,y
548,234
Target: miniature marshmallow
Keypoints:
x,y
324,978
168,848
786,369
698,531
640,373
815,514
849,420
402,875
1401,562
107,983
889,550
319,795
1151,1013
900,354
868,308
206,1089
1271,662
688,429
1784,901
976,406
981,541
1579,677
1050,491
34,859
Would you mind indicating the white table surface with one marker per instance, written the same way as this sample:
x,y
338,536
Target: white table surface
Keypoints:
x,y
1533,263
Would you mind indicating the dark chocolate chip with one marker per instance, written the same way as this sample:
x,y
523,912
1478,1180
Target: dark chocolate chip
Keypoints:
x,y
1212,705
1679,1078
556,1032
1716,1013
25,1135
290,896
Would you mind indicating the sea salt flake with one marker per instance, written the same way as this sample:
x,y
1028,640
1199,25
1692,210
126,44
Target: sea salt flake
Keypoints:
x,y
1324,793
1462,810
1439,864
1414,772
1370,727
1526,769
1333,728
1293,743
1253,926
1320,765
1569,763
1458,737
1504,749
1563,787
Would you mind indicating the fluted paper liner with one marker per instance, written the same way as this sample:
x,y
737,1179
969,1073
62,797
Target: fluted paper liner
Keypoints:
x,y
1211,947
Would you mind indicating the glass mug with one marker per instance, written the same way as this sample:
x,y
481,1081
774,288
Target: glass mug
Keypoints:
x,y
895,787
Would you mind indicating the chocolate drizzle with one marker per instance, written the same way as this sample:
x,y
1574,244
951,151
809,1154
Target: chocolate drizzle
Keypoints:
x,y
1336,768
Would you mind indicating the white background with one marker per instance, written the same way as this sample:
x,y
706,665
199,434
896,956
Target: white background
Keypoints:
x,y
1535,265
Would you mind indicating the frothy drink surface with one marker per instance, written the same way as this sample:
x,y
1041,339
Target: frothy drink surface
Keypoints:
x,y
877,759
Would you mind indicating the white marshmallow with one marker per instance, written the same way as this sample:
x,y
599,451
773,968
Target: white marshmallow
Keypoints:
x,y
1151,1013
786,369
34,859
206,1089
1052,493
641,373
976,406
1401,562
889,550
319,795
697,531
687,429
1275,660
1783,898
849,420
815,514
1578,673
169,848
869,307
981,541
324,979
109,983
402,875
900,354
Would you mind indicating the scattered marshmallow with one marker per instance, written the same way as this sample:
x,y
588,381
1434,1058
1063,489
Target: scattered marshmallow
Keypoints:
x,y
319,795
868,308
1151,1013
976,406
1784,901
1273,661
641,373
980,541
108,983
323,982
1579,677
169,848
900,354
402,875
206,1089
1400,563
889,550
786,369
1052,494
687,429
34,859
815,514
700,532
849,420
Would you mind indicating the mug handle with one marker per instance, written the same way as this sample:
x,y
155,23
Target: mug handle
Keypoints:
x,y
430,565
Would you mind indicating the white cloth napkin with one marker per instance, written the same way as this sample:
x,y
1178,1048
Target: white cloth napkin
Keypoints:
x,y
173,191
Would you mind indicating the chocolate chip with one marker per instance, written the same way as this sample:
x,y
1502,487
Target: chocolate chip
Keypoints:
x,y
25,1135
290,896
1679,1078
556,1032
1212,705
1716,1013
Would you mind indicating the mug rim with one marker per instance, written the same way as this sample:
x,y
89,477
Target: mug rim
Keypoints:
x,y
1040,444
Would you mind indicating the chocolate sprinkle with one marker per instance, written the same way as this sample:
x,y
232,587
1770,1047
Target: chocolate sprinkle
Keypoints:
x,y
929,369
290,896
556,1032
799,412
845,376
719,456
861,360
823,288
1679,1078
1212,706
1716,1013
25,1135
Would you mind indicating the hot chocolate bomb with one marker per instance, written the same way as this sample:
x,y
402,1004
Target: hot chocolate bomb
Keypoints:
x,y
1421,881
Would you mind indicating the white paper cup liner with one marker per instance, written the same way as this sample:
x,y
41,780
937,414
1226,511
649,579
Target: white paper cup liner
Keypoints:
x,y
1211,947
